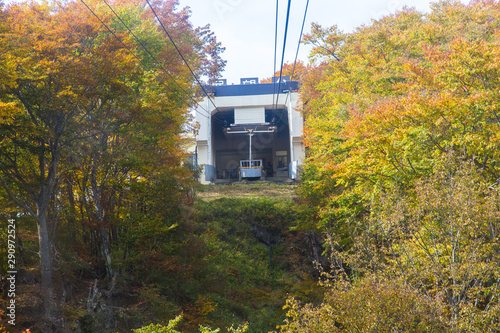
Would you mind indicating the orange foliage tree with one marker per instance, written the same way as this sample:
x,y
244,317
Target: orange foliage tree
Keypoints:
x,y
383,103
294,71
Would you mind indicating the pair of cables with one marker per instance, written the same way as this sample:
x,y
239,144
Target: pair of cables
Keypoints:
x,y
275,101
190,97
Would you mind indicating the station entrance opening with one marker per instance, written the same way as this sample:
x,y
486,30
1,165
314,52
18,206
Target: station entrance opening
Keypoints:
x,y
251,143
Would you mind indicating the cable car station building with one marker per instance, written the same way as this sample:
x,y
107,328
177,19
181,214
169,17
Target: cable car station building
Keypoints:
x,y
249,132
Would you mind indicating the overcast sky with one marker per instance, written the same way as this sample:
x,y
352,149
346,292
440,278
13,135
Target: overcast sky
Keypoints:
x,y
246,27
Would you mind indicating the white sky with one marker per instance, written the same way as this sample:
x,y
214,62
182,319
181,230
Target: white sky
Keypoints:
x,y
246,27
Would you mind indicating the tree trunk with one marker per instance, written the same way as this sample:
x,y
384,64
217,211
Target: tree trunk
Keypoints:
x,y
42,208
106,253
97,190
45,256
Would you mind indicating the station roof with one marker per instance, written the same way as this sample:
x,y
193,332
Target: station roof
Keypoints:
x,y
253,89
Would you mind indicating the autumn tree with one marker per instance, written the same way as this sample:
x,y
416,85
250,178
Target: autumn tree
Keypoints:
x,y
373,305
424,260
385,101
294,70
82,104
385,106
41,116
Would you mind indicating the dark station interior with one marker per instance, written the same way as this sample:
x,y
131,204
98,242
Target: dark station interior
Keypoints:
x,y
270,143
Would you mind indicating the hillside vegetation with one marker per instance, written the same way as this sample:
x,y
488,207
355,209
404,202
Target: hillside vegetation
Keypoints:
x,y
231,261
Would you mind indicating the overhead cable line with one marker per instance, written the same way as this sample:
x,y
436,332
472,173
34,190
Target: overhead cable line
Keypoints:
x,y
283,53
182,56
124,45
131,52
275,51
298,45
135,56
129,30
156,60
300,40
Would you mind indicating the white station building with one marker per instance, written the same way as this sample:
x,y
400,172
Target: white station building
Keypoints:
x,y
250,131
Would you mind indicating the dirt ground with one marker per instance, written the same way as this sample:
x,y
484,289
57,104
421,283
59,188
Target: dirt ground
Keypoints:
x,y
248,190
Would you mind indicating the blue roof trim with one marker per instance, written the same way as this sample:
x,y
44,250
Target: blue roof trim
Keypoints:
x,y
253,89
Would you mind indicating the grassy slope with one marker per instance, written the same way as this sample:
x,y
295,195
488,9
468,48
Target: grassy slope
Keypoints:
x,y
249,190
243,280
